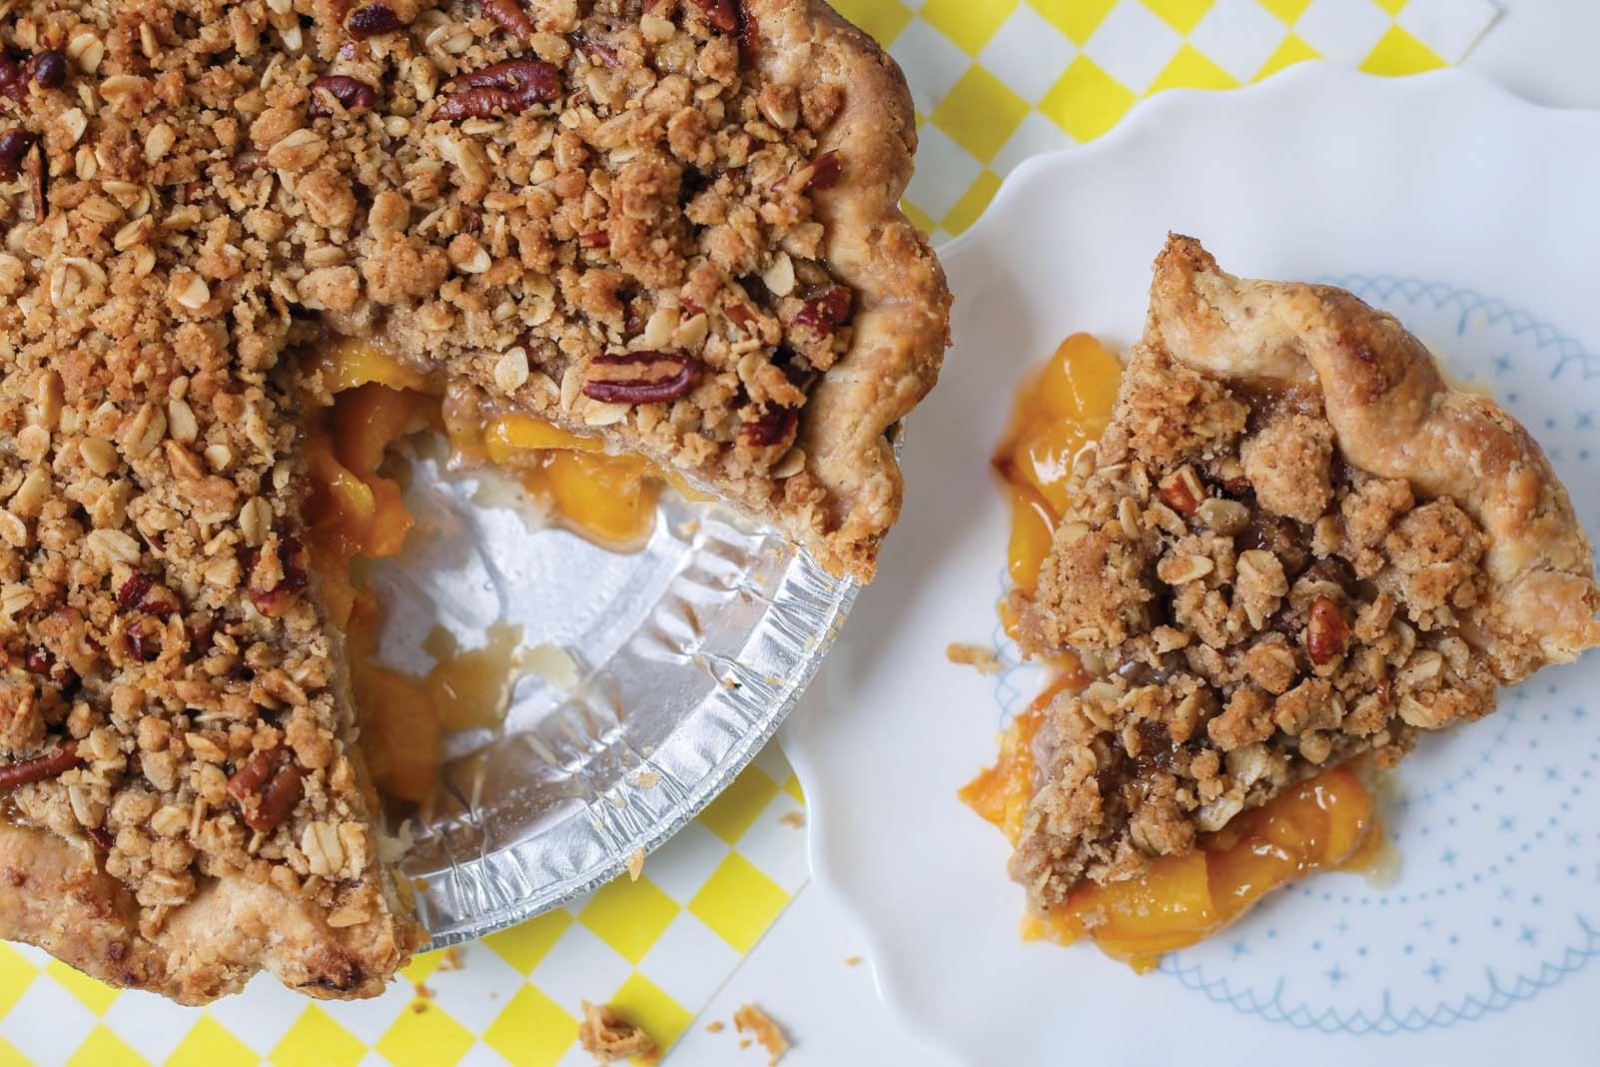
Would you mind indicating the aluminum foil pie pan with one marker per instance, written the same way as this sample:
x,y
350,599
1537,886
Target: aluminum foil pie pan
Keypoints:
x,y
658,675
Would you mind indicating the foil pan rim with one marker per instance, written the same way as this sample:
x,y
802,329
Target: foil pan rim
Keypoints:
x,y
803,585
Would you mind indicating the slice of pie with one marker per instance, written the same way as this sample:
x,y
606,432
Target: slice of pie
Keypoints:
x,y
1295,545
667,227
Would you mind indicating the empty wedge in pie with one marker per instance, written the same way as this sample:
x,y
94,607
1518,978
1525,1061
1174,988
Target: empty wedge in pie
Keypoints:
x,y
1295,545
667,226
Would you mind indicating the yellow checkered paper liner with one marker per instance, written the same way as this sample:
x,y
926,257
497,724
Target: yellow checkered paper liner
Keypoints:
x,y
995,81
657,948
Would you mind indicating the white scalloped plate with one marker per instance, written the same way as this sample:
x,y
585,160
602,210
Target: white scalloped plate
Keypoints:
x,y
1474,217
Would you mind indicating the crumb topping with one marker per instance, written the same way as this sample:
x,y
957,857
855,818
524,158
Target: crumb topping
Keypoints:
x,y
979,657
608,1037
748,1018
1253,609
594,212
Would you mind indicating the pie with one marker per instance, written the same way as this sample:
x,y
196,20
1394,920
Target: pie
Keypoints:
x,y
1294,548
666,227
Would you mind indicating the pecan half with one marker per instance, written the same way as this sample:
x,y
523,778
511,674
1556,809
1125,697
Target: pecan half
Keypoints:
x,y
52,764
595,49
267,787
1327,634
511,17
504,88
827,308
773,425
352,94
641,377
14,144
371,20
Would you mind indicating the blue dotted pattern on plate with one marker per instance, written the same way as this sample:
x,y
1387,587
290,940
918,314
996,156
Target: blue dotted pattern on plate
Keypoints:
x,y
1498,898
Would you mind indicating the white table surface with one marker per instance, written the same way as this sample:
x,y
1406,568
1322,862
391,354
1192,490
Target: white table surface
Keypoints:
x,y
1540,49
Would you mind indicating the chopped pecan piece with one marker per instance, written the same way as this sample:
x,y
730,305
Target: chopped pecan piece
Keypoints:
x,y
37,178
14,144
773,425
749,32
37,181
352,94
723,15
511,17
825,171
821,173
273,599
593,47
251,775
135,595
12,82
741,315
504,88
267,787
131,596
52,764
641,377
39,660
372,20
827,308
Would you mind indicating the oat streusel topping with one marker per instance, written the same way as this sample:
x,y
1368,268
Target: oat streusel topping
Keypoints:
x,y
601,213
1255,607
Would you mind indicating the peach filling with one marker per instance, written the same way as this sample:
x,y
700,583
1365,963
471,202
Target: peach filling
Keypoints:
x,y
1060,413
356,511
1326,822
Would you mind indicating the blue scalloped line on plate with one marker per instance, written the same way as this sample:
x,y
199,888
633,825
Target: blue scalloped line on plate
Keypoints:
x,y
1500,993
1006,691
1384,286
1500,997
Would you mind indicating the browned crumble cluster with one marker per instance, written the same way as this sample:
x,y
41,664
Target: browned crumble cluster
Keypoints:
x,y
592,211
609,1038
1252,609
